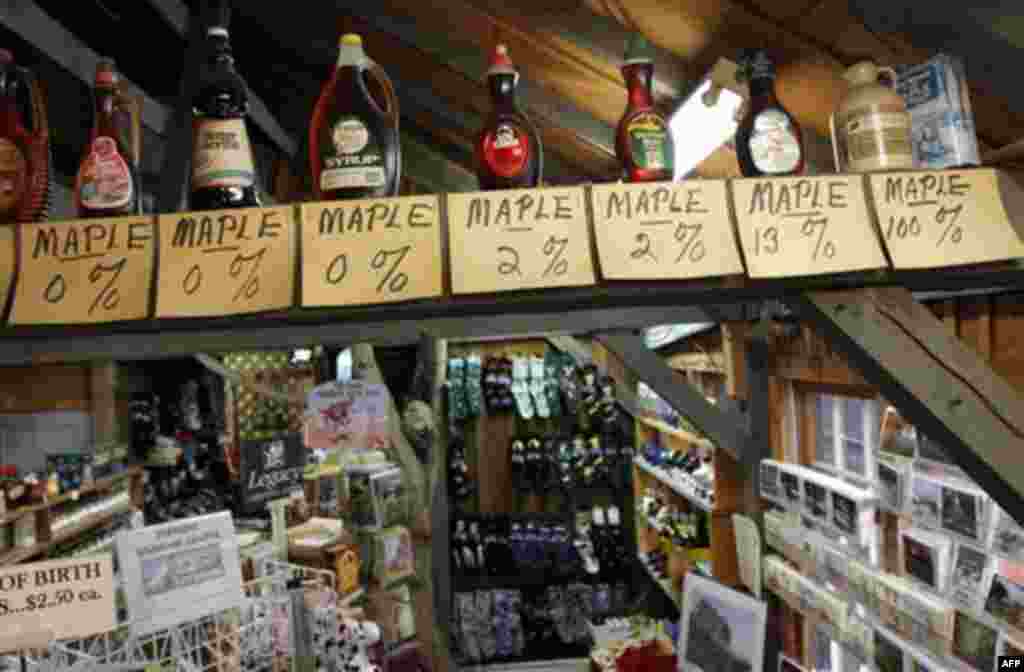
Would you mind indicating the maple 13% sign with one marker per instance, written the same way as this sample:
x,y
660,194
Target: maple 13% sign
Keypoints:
x,y
519,239
805,226
85,271
371,251
226,262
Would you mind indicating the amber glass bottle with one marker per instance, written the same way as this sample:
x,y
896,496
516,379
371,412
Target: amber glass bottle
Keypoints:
x,y
223,169
354,145
643,141
14,142
508,150
768,141
106,184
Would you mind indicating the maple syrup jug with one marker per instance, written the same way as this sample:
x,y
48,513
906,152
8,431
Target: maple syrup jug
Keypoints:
x,y
354,147
25,165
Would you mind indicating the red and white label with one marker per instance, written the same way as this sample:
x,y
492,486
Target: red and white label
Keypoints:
x,y
104,180
507,150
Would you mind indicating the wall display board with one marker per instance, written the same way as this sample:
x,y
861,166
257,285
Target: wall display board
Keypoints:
x,y
720,628
270,469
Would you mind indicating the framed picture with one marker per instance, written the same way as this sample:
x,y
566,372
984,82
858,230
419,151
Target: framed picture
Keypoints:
x,y
974,642
1005,597
844,514
924,557
787,664
962,513
790,483
1008,536
769,481
721,630
888,654
890,486
816,501
390,502
968,576
926,502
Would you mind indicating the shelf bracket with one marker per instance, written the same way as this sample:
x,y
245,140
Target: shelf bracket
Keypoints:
x,y
936,381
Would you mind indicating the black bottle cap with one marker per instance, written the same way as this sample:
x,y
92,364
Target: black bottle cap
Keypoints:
x,y
755,63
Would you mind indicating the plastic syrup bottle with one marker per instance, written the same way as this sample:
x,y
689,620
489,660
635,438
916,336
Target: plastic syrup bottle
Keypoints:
x,y
643,141
768,141
223,168
107,184
508,150
354,143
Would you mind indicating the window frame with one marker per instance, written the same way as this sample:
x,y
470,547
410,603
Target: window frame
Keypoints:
x,y
804,400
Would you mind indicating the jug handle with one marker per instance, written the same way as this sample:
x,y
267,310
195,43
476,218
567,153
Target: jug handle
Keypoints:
x,y
835,142
885,69
391,98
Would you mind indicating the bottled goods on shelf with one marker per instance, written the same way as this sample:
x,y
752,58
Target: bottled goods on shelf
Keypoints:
x,y
643,140
508,150
223,168
24,146
107,183
353,139
768,140
871,126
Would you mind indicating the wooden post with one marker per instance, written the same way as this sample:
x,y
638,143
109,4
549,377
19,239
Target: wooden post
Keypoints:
x,y
103,402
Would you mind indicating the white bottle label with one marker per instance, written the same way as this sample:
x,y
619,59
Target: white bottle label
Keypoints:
x,y
774,145
878,140
222,155
354,159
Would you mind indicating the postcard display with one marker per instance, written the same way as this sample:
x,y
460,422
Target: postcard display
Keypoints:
x,y
957,599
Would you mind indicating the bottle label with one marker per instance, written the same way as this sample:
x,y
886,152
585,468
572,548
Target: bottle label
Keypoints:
x,y
13,175
878,140
507,150
353,159
104,180
650,142
774,145
221,154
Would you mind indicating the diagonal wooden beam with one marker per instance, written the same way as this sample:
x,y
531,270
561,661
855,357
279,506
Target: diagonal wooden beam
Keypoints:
x,y
938,383
583,355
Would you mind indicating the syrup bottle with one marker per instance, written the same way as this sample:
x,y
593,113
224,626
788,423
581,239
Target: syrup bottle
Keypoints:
x,y
643,141
106,184
354,143
24,146
768,141
223,169
508,150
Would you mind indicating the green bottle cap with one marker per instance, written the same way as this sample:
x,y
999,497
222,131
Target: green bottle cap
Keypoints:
x,y
638,50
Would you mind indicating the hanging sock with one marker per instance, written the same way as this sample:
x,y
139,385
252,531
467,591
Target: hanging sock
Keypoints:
x,y
537,387
520,388
474,395
456,392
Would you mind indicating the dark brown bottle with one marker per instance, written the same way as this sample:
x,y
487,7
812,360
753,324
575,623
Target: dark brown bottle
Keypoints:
x,y
14,142
223,169
508,150
768,140
355,149
107,184
643,141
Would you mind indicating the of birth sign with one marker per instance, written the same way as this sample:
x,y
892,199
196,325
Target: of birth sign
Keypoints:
x,y
362,252
225,262
805,226
85,271
519,239
664,231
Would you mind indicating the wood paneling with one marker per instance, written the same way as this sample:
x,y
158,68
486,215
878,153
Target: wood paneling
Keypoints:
x,y
36,389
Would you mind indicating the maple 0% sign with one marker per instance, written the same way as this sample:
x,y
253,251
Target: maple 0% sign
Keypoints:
x,y
386,263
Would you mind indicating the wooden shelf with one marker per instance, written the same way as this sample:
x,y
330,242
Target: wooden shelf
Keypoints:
x,y
17,555
661,476
677,433
664,584
97,486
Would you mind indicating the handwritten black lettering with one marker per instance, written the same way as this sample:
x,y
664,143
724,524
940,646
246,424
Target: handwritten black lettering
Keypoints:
x,y
227,224
250,287
837,192
554,249
205,236
54,292
337,270
766,240
694,204
619,206
524,203
479,213
643,249
780,198
139,233
506,267
380,211
184,233
421,215
562,208
47,242
660,198
689,239
925,190
331,221
393,280
193,280
109,295
504,215
71,242
355,221
958,185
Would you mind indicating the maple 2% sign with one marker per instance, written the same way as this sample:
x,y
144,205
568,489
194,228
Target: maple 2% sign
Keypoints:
x,y
85,271
805,226
664,231
924,218
226,262
519,239
371,251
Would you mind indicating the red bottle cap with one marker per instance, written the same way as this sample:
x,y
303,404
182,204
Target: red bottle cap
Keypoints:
x,y
106,73
501,64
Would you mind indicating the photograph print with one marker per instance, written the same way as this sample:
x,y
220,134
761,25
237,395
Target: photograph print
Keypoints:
x,y
769,481
890,487
1008,539
925,502
721,630
790,488
920,561
961,513
844,514
1005,599
888,654
974,642
968,573
816,501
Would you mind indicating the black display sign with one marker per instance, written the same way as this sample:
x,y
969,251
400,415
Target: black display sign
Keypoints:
x,y
270,469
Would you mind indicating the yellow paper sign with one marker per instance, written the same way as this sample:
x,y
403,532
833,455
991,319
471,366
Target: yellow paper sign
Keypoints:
x,y
519,239
805,226
7,263
56,600
371,251
85,271
945,218
664,231
225,262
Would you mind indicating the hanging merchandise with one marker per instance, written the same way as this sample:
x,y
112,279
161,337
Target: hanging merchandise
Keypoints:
x,y
508,150
768,141
643,140
223,167
25,163
353,138
871,127
107,184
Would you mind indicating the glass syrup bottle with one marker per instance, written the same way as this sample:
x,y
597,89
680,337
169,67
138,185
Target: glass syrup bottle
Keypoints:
x,y
768,140
643,140
14,142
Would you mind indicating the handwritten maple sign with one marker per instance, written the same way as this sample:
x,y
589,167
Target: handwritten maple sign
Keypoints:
x,y
8,259
805,226
664,231
946,218
371,251
519,239
85,271
225,262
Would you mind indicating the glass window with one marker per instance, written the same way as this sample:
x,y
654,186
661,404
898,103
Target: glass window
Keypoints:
x,y
846,434
825,450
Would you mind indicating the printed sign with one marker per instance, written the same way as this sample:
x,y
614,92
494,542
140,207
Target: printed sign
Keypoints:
x,y
180,571
520,239
371,251
84,271
270,469
664,231
347,416
805,226
226,262
944,218
62,599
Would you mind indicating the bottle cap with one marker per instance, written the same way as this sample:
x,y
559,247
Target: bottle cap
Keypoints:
x,y
638,50
106,72
351,40
217,31
501,64
6,57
